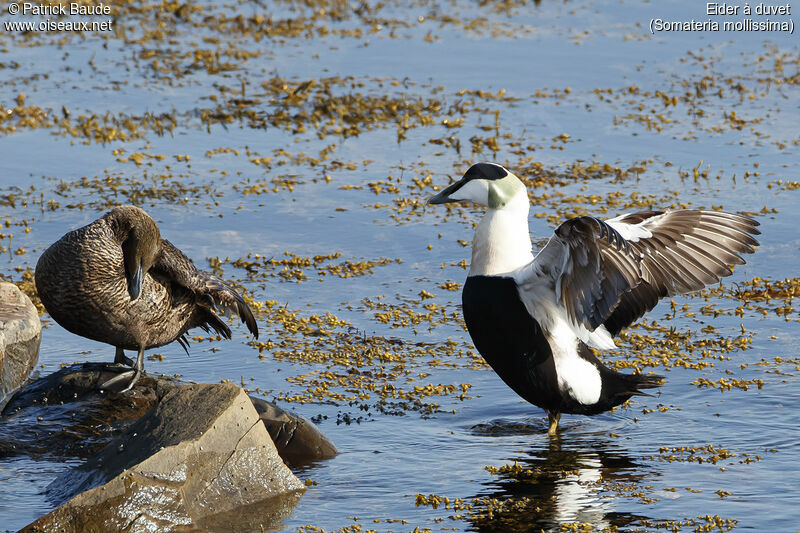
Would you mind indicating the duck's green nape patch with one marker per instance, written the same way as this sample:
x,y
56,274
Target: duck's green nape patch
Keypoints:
x,y
503,190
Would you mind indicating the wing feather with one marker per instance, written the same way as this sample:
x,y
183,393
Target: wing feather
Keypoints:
x,y
602,279
209,289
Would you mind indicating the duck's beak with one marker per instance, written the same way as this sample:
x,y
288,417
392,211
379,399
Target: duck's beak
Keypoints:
x,y
135,283
133,266
443,197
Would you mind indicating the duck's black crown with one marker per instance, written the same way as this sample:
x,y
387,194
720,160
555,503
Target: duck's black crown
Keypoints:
x,y
485,171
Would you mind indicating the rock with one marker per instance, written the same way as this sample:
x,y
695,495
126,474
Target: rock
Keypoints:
x,y
79,419
192,461
20,334
65,415
297,439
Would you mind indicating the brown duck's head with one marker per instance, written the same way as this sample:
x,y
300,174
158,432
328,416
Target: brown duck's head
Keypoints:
x,y
140,240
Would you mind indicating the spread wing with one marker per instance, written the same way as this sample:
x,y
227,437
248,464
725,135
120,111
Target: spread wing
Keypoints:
x,y
210,290
609,273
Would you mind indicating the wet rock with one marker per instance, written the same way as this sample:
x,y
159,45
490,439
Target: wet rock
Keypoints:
x,y
20,334
297,439
65,414
192,461
78,419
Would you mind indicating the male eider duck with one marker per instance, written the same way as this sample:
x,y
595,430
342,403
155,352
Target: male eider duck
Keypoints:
x,y
117,281
534,318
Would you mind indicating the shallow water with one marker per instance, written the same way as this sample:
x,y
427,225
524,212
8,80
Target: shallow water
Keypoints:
x,y
701,119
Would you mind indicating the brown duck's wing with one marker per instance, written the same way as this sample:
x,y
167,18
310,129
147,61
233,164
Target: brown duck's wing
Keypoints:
x,y
211,291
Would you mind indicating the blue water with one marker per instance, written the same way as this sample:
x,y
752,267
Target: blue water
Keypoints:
x,y
386,459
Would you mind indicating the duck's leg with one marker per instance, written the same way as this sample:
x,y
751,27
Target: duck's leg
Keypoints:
x,y
137,370
133,374
121,364
121,359
554,417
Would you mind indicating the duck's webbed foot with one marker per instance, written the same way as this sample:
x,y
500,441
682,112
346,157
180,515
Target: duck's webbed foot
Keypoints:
x,y
553,418
134,374
123,375
121,359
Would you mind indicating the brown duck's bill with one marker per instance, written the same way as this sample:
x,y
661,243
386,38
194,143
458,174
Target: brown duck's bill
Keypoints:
x,y
133,265
135,283
444,196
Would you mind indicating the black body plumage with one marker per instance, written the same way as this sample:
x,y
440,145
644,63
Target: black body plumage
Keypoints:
x,y
519,351
509,339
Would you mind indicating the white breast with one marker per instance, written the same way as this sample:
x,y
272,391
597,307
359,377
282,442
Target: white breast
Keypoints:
x,y
502,242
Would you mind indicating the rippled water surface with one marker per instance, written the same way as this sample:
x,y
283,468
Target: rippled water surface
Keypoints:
x,y
291,145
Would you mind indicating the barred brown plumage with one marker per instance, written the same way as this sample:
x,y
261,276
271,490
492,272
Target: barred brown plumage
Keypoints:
x,y
117,281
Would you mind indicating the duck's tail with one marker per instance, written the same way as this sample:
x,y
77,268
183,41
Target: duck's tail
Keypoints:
x,y
617,387
217,324
643,381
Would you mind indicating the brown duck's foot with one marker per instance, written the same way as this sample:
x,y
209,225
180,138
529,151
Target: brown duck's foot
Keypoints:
x,y
124,373
136,372
122,359
554,418
136,375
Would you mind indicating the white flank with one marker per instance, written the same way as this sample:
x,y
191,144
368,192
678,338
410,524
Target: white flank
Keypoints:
x,y
577,377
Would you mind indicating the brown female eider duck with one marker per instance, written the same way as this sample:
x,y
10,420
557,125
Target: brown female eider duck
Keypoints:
x,y
117,281
534,318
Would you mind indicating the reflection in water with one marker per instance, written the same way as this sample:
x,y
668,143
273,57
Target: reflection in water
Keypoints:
x,y
562,482
575,501
266,515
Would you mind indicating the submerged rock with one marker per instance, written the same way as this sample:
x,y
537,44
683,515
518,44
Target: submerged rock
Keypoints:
x,y
200,454
20,334
298,440
65,415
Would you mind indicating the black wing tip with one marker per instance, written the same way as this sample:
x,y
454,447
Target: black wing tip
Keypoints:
x,y
244,312
216,288
752,223
184,342
747,227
